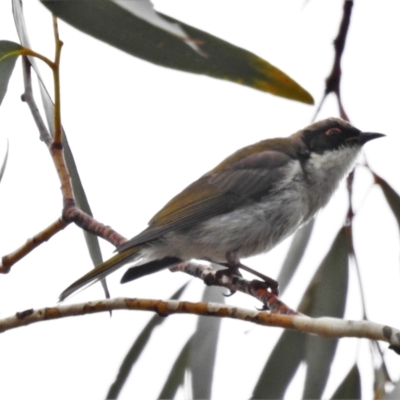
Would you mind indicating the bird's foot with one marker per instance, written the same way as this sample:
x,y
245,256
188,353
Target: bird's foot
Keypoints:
x,y
231,273
235,264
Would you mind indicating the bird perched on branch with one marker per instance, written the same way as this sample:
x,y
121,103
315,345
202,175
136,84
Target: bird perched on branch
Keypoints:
x,y
246,205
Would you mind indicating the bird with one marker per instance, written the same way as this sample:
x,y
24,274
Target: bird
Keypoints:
x,y
245,206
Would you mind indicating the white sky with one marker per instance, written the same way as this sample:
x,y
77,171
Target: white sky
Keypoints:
x,y
140,133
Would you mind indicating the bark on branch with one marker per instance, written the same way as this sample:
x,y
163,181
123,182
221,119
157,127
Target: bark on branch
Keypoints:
x,y
325,326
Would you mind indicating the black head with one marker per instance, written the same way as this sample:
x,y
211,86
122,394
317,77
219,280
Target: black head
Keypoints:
x,y
334,133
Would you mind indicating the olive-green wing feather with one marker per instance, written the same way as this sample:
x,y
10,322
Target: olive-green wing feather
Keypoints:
x,y
216,193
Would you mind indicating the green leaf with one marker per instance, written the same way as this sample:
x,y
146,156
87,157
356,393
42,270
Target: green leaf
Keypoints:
x,y
325,296
392,197
294,255
350,388
176,376
136,350
203,348
92,241
281,366
105,20
7,64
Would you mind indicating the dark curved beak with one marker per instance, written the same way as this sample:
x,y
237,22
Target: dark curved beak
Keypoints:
x,y
367,136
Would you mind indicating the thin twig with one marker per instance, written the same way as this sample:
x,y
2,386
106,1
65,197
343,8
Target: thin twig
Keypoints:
x,y
30,101
70,212
57,137
332,82
324,326
10,259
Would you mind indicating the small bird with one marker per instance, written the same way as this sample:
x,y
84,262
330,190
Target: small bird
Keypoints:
x,y
246,205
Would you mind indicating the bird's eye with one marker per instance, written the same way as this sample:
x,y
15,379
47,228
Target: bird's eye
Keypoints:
x,y
332,132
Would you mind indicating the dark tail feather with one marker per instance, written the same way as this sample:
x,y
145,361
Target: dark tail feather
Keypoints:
x,y
149,268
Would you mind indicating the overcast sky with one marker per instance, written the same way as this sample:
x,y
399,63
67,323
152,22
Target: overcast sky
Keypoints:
x,y
140,133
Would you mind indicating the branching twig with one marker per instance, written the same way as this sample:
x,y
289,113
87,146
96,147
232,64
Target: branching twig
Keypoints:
x,y
73,214
255,288
70,212
324,326
332,83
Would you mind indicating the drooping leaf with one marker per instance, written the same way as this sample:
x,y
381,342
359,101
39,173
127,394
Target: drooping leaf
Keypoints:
x,y
325,296
92,241
392,197
281,366
144,10
176,376
350,388
107,21
3,165
7,64
136,350
294,255
203,348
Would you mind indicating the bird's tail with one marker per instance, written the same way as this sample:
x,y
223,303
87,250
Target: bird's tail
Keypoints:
x,y
102,270
149,268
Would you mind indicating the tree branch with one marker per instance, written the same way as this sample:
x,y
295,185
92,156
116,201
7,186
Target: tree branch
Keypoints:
x,y
324,326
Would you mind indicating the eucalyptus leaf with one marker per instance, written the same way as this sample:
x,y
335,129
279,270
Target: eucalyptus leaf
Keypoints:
x,y
137,349
281,366
176,376
117,26
294,255
350,388
4,163
7,64
325,296
392,197
203,348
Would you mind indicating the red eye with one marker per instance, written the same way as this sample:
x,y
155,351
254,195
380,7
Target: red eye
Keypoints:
x,y
332,131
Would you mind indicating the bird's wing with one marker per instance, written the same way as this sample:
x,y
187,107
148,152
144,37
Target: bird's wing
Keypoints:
x,y
217,192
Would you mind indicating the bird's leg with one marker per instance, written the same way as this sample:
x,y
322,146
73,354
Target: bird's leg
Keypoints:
x,y
233,263
231,272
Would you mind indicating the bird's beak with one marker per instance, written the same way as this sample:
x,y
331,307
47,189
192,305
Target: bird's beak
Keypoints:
x,y
367,136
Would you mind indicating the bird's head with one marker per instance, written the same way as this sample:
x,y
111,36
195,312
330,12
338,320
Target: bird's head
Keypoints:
x,y
333,134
